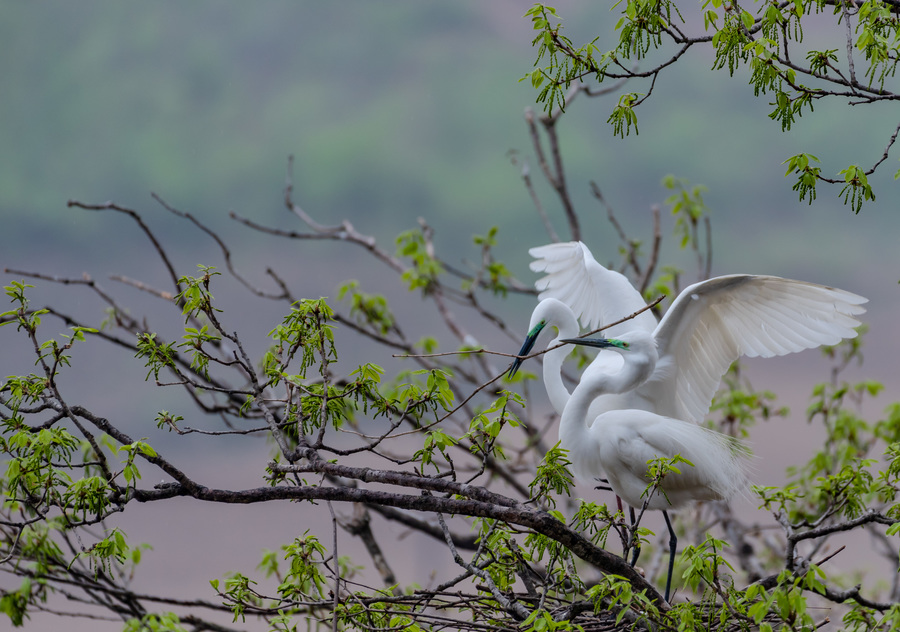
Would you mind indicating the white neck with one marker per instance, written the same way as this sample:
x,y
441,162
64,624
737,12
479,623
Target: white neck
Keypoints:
x,y
553,381
574,424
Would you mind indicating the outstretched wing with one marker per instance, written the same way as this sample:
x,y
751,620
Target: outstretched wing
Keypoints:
x,y
598,296
712,323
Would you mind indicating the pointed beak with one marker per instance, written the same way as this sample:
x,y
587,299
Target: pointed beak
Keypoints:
x,y
527,346
602,343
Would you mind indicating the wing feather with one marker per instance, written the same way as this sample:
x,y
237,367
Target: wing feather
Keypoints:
x,y
630,438
712,323
597,295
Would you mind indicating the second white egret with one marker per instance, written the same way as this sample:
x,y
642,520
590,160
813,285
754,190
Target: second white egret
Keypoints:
x,y
622,442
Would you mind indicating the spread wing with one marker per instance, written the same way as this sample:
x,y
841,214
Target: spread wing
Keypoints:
x,y
712,323
597,295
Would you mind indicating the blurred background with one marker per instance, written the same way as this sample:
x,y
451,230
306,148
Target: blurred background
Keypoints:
x,y
393,111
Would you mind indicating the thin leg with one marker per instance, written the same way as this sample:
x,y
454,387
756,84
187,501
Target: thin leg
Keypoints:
x,y
637,542
673,543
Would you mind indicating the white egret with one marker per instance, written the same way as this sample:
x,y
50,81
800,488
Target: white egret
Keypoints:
x,y
621,442
670,371
575,288
709,326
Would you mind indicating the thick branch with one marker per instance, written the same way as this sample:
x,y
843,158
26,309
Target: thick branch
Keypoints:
x,y
517,514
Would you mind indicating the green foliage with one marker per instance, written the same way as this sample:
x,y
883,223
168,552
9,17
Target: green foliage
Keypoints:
x,y
822,61
157,355
378,615
555,78
540,547
165,622
841,482
14,604
304,578
37,463
427,344
22,316
52,355
109,551
239,594
195,297
623,115
641,26
729,41
193,341
435,394
425,269
553,476
840,479
758,44
786,603
334,430
23,390
88,496
369,309
877,37
857,188
704,563
688,208
493,275
665,284
164,419
617,595
658,469
807,175
318,409
130,471
594,521
485,427
543,621
436,440
305,330
739,405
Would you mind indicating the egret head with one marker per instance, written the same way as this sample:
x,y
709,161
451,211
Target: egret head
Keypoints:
x,y
638,347
549,311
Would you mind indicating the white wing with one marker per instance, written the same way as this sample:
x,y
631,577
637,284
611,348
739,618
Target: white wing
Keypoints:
x,y
712,323
598,296
627,439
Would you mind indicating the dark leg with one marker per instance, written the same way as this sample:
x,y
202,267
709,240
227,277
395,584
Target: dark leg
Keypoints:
x,y
637,542
673,543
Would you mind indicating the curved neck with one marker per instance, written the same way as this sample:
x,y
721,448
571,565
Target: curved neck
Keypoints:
x,y
553,381
566,327
574,424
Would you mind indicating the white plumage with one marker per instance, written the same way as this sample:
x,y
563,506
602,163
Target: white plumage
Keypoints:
x,y
709,325
596,295
621,442
647,402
